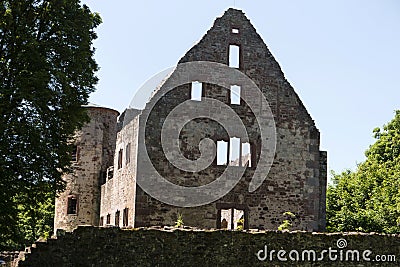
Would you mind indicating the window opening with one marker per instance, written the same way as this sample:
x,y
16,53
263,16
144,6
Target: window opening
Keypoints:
x,y
120,159
74,155
222,153
232,219
234,151
110,172
125,217
235,94
234,56
238,219
128,153
72,205
226,219
116,220
246,155
197,91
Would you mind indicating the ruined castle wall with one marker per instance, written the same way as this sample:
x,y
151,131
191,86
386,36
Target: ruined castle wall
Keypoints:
x,y
95,149
297,179
323,174
118,193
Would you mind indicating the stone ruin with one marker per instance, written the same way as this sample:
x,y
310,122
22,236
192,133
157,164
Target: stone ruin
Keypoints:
x,y
108,160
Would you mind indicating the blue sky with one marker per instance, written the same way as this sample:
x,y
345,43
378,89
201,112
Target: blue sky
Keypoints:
x,y
342,57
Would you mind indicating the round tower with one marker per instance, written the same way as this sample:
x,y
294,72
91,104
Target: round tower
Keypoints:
x,y
93,153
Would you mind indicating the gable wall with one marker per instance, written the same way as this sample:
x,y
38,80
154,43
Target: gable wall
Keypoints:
x,y
294,182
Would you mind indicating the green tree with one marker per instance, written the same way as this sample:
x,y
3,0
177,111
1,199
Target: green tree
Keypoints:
x,y
47,72
369,198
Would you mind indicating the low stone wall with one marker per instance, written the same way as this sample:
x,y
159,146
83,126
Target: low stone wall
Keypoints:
x,y
92,246
8,257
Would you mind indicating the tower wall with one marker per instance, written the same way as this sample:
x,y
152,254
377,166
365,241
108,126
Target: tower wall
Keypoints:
x,y
79,204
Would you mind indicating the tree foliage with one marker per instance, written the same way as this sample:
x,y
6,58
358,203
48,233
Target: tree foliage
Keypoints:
x,y
369,199
47,72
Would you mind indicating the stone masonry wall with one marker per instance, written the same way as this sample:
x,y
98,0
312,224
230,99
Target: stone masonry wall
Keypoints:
x,y
297,179
119,192
95,149
90,246
323,174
